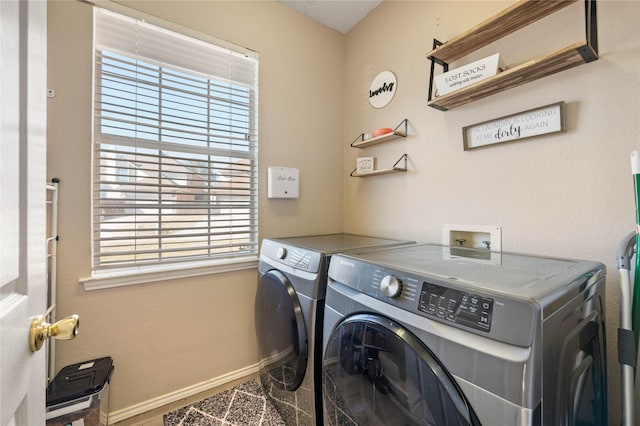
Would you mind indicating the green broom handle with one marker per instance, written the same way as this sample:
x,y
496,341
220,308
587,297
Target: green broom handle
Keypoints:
x,y
635,306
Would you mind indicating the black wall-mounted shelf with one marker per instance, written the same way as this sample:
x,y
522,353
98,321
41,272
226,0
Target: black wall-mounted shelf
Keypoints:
x,y
509,20
394,169
399,132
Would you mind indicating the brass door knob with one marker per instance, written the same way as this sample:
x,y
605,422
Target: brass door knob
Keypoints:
x,y
65,329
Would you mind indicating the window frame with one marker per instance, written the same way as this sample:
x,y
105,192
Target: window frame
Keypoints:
x,y
133,273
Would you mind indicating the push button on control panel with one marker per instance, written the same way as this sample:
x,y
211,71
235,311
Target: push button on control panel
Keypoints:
x,y
456,306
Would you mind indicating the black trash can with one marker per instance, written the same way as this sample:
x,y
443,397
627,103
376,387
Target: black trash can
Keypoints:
x,y
80,392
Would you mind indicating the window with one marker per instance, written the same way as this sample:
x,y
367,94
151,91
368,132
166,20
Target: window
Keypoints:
x,y
175,147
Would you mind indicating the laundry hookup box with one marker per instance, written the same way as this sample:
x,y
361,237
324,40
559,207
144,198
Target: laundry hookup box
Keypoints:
x,y
79,394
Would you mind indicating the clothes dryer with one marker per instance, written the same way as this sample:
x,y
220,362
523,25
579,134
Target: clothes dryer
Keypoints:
x,y
288,315
418,336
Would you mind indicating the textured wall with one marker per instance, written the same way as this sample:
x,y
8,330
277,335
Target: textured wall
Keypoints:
x,y
167,336
568,195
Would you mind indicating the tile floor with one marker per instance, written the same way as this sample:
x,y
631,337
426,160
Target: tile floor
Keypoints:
x,y
238,402
242,405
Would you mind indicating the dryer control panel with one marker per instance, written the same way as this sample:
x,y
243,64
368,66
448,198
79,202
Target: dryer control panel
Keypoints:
x,y
278,253
468,309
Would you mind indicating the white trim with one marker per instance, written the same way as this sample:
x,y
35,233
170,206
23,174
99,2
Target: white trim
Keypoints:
x,y
141,275
160,401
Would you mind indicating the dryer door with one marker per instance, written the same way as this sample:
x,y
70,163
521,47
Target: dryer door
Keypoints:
x,y
281,332
376,372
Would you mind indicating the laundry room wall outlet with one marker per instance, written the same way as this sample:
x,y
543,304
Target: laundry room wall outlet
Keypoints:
x,y
283,182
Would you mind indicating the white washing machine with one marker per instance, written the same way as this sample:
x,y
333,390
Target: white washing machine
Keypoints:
x,y
288,316
420,336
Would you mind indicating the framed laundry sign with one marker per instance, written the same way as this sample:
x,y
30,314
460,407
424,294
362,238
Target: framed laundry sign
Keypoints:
x,y
523,125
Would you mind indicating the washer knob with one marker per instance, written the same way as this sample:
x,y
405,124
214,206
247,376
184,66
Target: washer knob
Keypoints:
x,y
281,253
391,286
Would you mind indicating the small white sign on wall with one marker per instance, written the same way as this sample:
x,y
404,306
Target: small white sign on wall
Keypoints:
x,y
283,182
382,89
466,75
365,164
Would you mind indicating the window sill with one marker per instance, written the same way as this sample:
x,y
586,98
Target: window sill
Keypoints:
x,y
143,275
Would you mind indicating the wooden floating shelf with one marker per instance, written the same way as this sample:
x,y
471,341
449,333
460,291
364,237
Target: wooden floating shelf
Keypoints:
x,y
513,18
509,20
563,59
379,139
379,172
394,169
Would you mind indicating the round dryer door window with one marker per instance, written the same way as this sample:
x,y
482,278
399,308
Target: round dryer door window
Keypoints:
x,y
376,372
281,333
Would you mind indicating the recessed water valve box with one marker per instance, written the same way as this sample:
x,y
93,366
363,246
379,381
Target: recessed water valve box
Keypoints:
x,y
283,182
477,243
473,236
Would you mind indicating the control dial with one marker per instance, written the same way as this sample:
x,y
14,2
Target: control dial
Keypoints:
x,y
281,253
391,286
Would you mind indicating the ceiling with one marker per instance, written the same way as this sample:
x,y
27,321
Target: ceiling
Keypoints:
x,y
341,15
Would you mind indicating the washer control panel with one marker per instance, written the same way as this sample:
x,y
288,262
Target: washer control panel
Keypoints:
x,y
456,306
469,306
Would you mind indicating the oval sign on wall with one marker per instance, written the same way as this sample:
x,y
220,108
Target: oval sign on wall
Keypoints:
x,y
382,89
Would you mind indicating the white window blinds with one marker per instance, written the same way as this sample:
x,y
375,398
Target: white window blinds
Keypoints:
x,y
175,146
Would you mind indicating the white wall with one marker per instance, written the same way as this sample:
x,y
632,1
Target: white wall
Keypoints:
x,y
568,195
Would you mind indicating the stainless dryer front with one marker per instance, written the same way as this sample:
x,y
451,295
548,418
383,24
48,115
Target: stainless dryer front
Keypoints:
x,y
420,336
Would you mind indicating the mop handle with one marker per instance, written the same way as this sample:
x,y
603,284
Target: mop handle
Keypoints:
x,y
635,297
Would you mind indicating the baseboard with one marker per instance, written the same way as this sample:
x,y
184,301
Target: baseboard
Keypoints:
x,y
152,404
